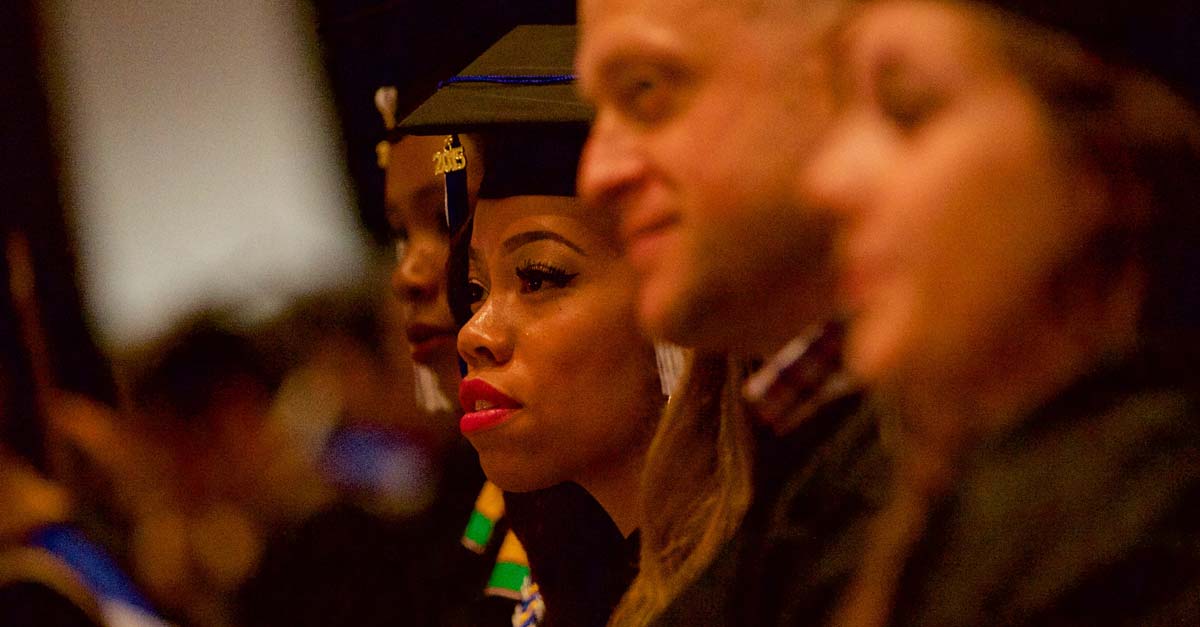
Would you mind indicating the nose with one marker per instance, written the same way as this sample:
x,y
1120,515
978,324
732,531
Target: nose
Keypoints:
x,y
419,273
611,163
843,172
485,340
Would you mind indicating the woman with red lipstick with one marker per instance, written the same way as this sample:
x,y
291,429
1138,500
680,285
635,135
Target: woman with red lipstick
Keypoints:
x,y
415,199
1017,183
561,386
561,394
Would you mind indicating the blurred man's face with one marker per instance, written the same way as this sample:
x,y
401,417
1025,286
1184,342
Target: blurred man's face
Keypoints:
x,y
706,111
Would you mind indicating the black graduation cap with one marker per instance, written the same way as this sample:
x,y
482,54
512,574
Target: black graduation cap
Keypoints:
x,y
526,79
519,97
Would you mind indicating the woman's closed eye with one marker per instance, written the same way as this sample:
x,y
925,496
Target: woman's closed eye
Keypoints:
x,y
907,102
908,112
536,276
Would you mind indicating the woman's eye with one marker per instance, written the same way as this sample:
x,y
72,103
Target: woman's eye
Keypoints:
x,y
476,293
535,277
399,243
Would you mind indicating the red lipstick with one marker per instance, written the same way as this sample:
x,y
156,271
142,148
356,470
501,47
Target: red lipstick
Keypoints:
x,y
485,406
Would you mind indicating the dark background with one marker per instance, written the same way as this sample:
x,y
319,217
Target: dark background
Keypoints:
x,y
412,45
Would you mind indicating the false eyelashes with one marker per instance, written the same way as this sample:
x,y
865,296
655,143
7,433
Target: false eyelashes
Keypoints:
x,y
536,275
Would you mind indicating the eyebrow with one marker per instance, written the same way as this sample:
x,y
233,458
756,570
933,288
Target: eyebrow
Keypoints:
x,y
427,193
430,191
520,239
613,59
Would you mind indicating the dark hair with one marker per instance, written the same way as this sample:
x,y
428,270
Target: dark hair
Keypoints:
x,y
195,364
458,269
1144,140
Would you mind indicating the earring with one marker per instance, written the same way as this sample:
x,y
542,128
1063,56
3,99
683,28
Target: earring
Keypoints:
x,y
670,360
428,392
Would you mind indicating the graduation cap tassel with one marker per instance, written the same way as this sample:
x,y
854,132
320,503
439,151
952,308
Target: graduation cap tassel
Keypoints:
x,y
452,163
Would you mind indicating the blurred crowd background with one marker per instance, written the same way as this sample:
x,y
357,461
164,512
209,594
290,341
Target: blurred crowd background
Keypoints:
x,y
198,256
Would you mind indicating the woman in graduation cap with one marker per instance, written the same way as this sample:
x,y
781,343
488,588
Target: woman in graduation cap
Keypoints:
x,y
561,390
1018,185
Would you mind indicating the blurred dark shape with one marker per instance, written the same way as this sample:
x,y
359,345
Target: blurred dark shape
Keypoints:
x,y
582,563
49,368
412,45
349,396
32,208
22,425
386,551
199,370
211,474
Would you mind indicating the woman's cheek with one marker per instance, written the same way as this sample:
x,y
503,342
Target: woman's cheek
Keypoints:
x,y
880,333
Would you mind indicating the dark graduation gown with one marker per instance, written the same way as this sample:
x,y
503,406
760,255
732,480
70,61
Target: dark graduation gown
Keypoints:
x,y
348,566
1088,513
580,560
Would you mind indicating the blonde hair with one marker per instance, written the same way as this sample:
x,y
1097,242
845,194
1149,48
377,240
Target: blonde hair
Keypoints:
x,y
696,485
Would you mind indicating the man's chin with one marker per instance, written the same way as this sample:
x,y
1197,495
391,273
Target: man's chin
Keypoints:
x,y
668,313
698,320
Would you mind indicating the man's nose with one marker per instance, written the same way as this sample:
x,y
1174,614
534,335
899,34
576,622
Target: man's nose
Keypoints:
x,y
610,164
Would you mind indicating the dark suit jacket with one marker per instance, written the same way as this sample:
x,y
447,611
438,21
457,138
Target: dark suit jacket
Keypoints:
x,y
1086,514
